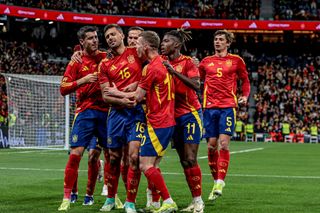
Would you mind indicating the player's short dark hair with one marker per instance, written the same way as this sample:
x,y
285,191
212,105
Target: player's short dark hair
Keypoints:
x,y
229,35
83,30
109,26
151,38
135,28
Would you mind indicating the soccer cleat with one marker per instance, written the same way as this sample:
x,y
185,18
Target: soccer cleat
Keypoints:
x,y
108,205
149,209
129,207
189,208
198,207
105,190
216,191
167,208
74,197
88,201
65,205
118,203
100,173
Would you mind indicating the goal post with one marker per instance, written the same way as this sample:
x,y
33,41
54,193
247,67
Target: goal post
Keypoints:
x,y
39,117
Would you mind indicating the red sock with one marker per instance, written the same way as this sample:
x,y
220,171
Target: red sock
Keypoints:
x,y
71,174
106,168
124,174
213,156
133,184
113,178
194,177
223,164
153,175
75,185
93,170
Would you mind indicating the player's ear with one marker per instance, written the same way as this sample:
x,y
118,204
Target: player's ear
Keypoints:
x,y
81,42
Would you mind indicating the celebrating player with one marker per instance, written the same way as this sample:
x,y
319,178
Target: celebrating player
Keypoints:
x,y
220,73
91,111
158,87
126,120
188,114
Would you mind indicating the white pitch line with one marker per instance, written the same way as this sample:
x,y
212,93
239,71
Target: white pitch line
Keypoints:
x,y
177,173
236,152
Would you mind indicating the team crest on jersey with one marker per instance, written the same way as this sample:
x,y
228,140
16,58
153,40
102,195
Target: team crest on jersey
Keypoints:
x,y
109,140
74,138
179,68
131,59
229,63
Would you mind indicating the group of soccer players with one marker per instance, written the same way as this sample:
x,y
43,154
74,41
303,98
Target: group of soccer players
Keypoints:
x,y
134,101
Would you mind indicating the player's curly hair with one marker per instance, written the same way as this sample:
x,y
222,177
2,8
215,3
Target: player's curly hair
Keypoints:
x,y
181,34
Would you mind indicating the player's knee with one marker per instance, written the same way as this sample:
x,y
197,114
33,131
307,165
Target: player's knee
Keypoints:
x,y
224,144
212,147
134,160
188,163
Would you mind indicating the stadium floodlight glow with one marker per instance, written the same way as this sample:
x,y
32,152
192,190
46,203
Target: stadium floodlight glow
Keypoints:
x,y
37,19
50,22
1,24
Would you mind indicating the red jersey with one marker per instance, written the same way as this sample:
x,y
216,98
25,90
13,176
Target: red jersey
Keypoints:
x,y
158,84
186,99
88,95
221,75
122,70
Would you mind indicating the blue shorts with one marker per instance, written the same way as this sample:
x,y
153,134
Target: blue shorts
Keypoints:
x,y
188,128
125,125
155,141
218,121
94,144
87,125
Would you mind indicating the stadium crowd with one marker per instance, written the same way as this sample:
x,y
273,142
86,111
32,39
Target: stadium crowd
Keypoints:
x,y
227,9
296,10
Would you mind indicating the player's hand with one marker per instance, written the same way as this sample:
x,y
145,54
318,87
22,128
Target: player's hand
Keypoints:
x,y
131,87
90,78
242,100
111,91
129,102
169,67
77,56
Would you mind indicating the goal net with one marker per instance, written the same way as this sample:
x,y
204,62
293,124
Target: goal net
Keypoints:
x,y
39,117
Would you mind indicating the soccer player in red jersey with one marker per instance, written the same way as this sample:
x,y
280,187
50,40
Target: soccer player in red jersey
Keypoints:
x,y
91,111
126,120
221,72
158,87
188,114
132,37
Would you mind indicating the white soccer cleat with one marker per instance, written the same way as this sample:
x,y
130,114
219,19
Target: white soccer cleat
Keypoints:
x,y
189,208
198,207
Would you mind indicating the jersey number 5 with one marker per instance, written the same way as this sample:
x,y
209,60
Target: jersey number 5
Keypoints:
x,y
219,72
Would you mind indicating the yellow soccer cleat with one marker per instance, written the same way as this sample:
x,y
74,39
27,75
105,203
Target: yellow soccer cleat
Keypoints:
x,y
167,208
216,190
65,205
118,203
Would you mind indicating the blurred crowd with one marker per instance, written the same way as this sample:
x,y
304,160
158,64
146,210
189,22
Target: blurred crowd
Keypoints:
x,y
296,10
217,9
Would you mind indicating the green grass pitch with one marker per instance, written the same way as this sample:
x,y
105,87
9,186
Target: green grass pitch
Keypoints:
x,y
262,177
